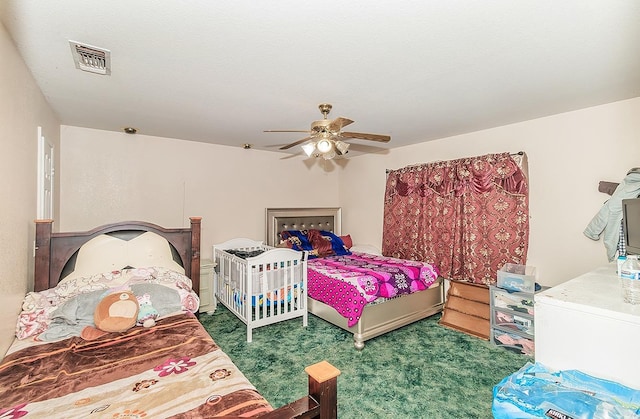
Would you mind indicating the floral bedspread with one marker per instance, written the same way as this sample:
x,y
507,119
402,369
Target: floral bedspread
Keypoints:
x,y
349,282
40,308
173,369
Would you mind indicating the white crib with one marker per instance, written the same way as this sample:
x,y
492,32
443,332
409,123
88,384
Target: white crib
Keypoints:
x,y
263,289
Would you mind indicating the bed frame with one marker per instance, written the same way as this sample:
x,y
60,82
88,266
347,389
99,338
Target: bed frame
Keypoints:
x,y
376,319
54,251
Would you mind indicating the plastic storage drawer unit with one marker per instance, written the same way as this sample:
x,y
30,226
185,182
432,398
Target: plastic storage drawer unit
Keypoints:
x,y
512,320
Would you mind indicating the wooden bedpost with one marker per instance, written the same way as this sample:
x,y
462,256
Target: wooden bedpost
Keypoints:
x,y
323,386
42,254
322,400
195,253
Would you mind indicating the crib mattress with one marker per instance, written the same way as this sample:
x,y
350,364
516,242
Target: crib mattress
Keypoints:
x,y
270,298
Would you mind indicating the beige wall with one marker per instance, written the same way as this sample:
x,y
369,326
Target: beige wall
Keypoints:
x,y
568,155
22,109
111,176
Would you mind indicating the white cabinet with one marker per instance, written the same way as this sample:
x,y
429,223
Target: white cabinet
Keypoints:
x,y
584,324
207,297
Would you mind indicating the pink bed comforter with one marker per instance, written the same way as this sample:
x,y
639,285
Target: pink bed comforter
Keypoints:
x,y
347,283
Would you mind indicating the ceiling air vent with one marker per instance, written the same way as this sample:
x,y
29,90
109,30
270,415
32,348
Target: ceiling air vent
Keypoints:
x,y
90,58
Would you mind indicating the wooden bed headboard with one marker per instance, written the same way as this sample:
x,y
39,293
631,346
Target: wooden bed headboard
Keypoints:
x,y
54,250
280,219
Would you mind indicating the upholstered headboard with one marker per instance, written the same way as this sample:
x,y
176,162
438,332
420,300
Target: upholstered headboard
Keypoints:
x,y
280,219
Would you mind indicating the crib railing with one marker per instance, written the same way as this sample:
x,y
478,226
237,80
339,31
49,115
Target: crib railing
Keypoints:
x,y
263,289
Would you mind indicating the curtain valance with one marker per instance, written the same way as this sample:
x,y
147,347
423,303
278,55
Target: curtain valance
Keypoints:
x,y
478,174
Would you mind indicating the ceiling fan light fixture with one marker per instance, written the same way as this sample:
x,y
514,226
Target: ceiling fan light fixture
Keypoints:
x,y
342,147
323,139
324,145
309,148
329,154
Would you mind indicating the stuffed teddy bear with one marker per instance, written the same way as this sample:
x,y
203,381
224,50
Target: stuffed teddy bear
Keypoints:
x,y
147,314
117,311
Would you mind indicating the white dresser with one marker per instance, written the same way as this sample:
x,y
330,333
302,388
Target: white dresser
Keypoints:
x,y
584,324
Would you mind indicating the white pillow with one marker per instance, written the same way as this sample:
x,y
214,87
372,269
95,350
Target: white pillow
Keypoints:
x,y
366,248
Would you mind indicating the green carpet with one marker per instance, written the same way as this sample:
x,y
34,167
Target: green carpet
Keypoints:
x,y
423,370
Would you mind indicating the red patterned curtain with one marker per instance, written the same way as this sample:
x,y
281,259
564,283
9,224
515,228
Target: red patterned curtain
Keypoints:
x,y
468,216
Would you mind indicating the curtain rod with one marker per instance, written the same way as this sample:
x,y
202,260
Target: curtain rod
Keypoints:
x,y
519,153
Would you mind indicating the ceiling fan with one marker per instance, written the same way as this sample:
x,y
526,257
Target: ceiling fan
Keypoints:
x,y
326,138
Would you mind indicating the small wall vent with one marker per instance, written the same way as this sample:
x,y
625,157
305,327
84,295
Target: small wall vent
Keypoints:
x,y
90,58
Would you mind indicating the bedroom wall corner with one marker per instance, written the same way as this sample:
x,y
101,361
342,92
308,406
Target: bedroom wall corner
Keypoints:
x,y
110,176
568,154
23,108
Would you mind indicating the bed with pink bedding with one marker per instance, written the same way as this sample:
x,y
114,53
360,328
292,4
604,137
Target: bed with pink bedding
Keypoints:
x,y
364,293
349,282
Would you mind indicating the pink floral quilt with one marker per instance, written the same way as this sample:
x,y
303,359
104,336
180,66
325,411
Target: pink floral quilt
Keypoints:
x,y
349,282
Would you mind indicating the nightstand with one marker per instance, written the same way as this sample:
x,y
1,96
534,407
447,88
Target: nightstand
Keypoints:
x,y
207,298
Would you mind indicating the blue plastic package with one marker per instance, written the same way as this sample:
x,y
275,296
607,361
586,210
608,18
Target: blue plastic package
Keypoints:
x,y
537,392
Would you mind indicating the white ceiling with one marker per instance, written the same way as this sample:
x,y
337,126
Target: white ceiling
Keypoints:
x,y
223,71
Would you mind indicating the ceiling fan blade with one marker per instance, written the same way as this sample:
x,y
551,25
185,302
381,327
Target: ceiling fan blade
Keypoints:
x,y
338,123
363,136
288,146
286,130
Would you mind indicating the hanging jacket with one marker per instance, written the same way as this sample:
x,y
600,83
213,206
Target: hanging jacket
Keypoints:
x,y
608,219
